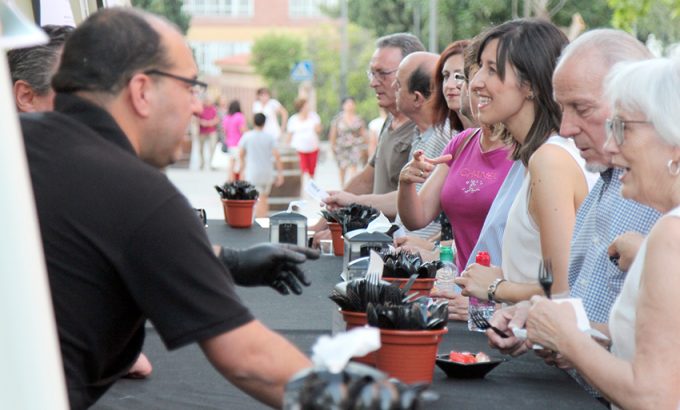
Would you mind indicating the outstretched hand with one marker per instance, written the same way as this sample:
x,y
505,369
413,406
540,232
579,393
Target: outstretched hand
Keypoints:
x,y
275,265
420,167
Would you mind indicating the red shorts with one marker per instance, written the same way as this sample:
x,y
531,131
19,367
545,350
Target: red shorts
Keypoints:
x,y
308,162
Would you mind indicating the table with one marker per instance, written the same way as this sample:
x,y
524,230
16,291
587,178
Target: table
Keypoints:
x,y
183,379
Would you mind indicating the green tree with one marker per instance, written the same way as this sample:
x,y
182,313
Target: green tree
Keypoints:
x,y
170,9
645,17
273,56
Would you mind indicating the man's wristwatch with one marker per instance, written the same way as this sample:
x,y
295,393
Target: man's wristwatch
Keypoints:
x,y
491,292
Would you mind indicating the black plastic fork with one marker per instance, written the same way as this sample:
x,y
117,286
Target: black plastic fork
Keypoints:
x,y
545,276
481,322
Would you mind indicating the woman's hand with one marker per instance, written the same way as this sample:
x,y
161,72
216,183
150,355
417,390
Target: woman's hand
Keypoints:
x,y
506,319
624,248
458,304
414,244
419,168
549,323
476,278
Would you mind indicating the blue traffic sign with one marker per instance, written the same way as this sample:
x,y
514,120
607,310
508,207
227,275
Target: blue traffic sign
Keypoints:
x,y
302,71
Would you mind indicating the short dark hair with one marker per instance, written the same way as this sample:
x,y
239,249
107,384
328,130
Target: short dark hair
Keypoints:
x,y
532,46
440,109
259,119
406,42
263,90
420,80
234,107
107,49
299,103
36,65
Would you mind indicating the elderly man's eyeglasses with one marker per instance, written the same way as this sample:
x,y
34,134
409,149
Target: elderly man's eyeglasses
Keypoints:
x,y
197,87
379,75
616,126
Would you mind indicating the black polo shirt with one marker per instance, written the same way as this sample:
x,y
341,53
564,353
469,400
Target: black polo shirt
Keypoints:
x,y
121,245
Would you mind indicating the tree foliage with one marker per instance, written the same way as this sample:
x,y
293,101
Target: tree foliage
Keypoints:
x,y
645,17
170,9
273,56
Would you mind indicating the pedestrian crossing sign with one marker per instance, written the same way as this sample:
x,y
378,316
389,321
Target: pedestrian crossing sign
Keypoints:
x,y
302,71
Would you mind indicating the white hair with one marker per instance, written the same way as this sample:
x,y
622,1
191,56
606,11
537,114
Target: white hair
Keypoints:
x,y
652,88
612,45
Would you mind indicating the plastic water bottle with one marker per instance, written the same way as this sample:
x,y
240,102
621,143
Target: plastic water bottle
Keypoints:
x,y
476,305
446,275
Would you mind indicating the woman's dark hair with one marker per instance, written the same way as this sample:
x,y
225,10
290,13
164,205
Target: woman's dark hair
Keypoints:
x,y
109,48
532,48
440,110
234,107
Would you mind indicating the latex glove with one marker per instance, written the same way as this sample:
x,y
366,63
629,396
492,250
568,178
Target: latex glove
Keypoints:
x,y
506,319
275,265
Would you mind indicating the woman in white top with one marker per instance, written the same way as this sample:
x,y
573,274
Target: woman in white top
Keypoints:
x,y
303,129
514,86
643,368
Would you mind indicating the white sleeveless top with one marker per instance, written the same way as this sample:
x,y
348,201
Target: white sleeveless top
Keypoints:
x,y
623,314
521,240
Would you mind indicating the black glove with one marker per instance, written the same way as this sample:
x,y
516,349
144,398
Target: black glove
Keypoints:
x,y
275,265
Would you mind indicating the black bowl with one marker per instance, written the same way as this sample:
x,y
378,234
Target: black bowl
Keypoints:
x,y
466,371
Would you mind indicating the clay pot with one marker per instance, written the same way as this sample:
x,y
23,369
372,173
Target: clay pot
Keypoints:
x,y
238,213
358,319
421,286
336,235
409,355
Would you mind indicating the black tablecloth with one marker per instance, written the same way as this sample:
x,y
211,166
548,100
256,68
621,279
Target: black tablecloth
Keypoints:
x,y
184,379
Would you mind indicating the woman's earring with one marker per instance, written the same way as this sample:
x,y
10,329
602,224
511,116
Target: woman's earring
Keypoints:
x,y
530,96
673,167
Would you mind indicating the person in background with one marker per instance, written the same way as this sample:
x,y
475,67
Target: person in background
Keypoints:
x,y
31,70
374,128
119,225
272,110
256,150
234,125
207,131
348,140
303,128
641,371
514,87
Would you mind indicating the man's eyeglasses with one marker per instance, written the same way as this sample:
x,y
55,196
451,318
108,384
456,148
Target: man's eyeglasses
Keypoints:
x,y
379,75
615,128
197,87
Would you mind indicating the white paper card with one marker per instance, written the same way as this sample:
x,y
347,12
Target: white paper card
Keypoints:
x,y
56,12
315,191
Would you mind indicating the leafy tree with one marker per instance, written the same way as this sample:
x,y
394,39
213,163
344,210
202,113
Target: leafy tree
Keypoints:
x,y
645,17
170,9
273,56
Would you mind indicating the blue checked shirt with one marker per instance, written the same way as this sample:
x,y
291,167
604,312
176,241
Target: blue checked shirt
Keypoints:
x,y
603,216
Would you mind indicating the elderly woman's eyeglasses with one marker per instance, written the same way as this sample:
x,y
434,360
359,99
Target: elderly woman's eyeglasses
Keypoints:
x,y
197,87
379,75
616,126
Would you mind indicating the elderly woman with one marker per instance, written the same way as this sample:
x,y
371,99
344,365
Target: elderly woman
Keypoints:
x,y
642,370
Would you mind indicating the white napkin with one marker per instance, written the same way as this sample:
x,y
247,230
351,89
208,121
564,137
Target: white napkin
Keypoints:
x,y
334,352
582,322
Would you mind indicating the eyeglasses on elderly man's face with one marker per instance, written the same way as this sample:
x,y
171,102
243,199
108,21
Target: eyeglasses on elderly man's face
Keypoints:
x,y
616,126
380,75
198,88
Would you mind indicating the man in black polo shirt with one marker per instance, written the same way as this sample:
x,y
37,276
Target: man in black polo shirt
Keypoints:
x,y
121,243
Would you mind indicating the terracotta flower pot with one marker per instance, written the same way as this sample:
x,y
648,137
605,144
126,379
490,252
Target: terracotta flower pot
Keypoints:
x,y
336,235
238,213
358,319
421,286
409,355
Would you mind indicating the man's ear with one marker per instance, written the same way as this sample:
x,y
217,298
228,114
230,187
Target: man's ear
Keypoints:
x,y
24,95
142,93
419,98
